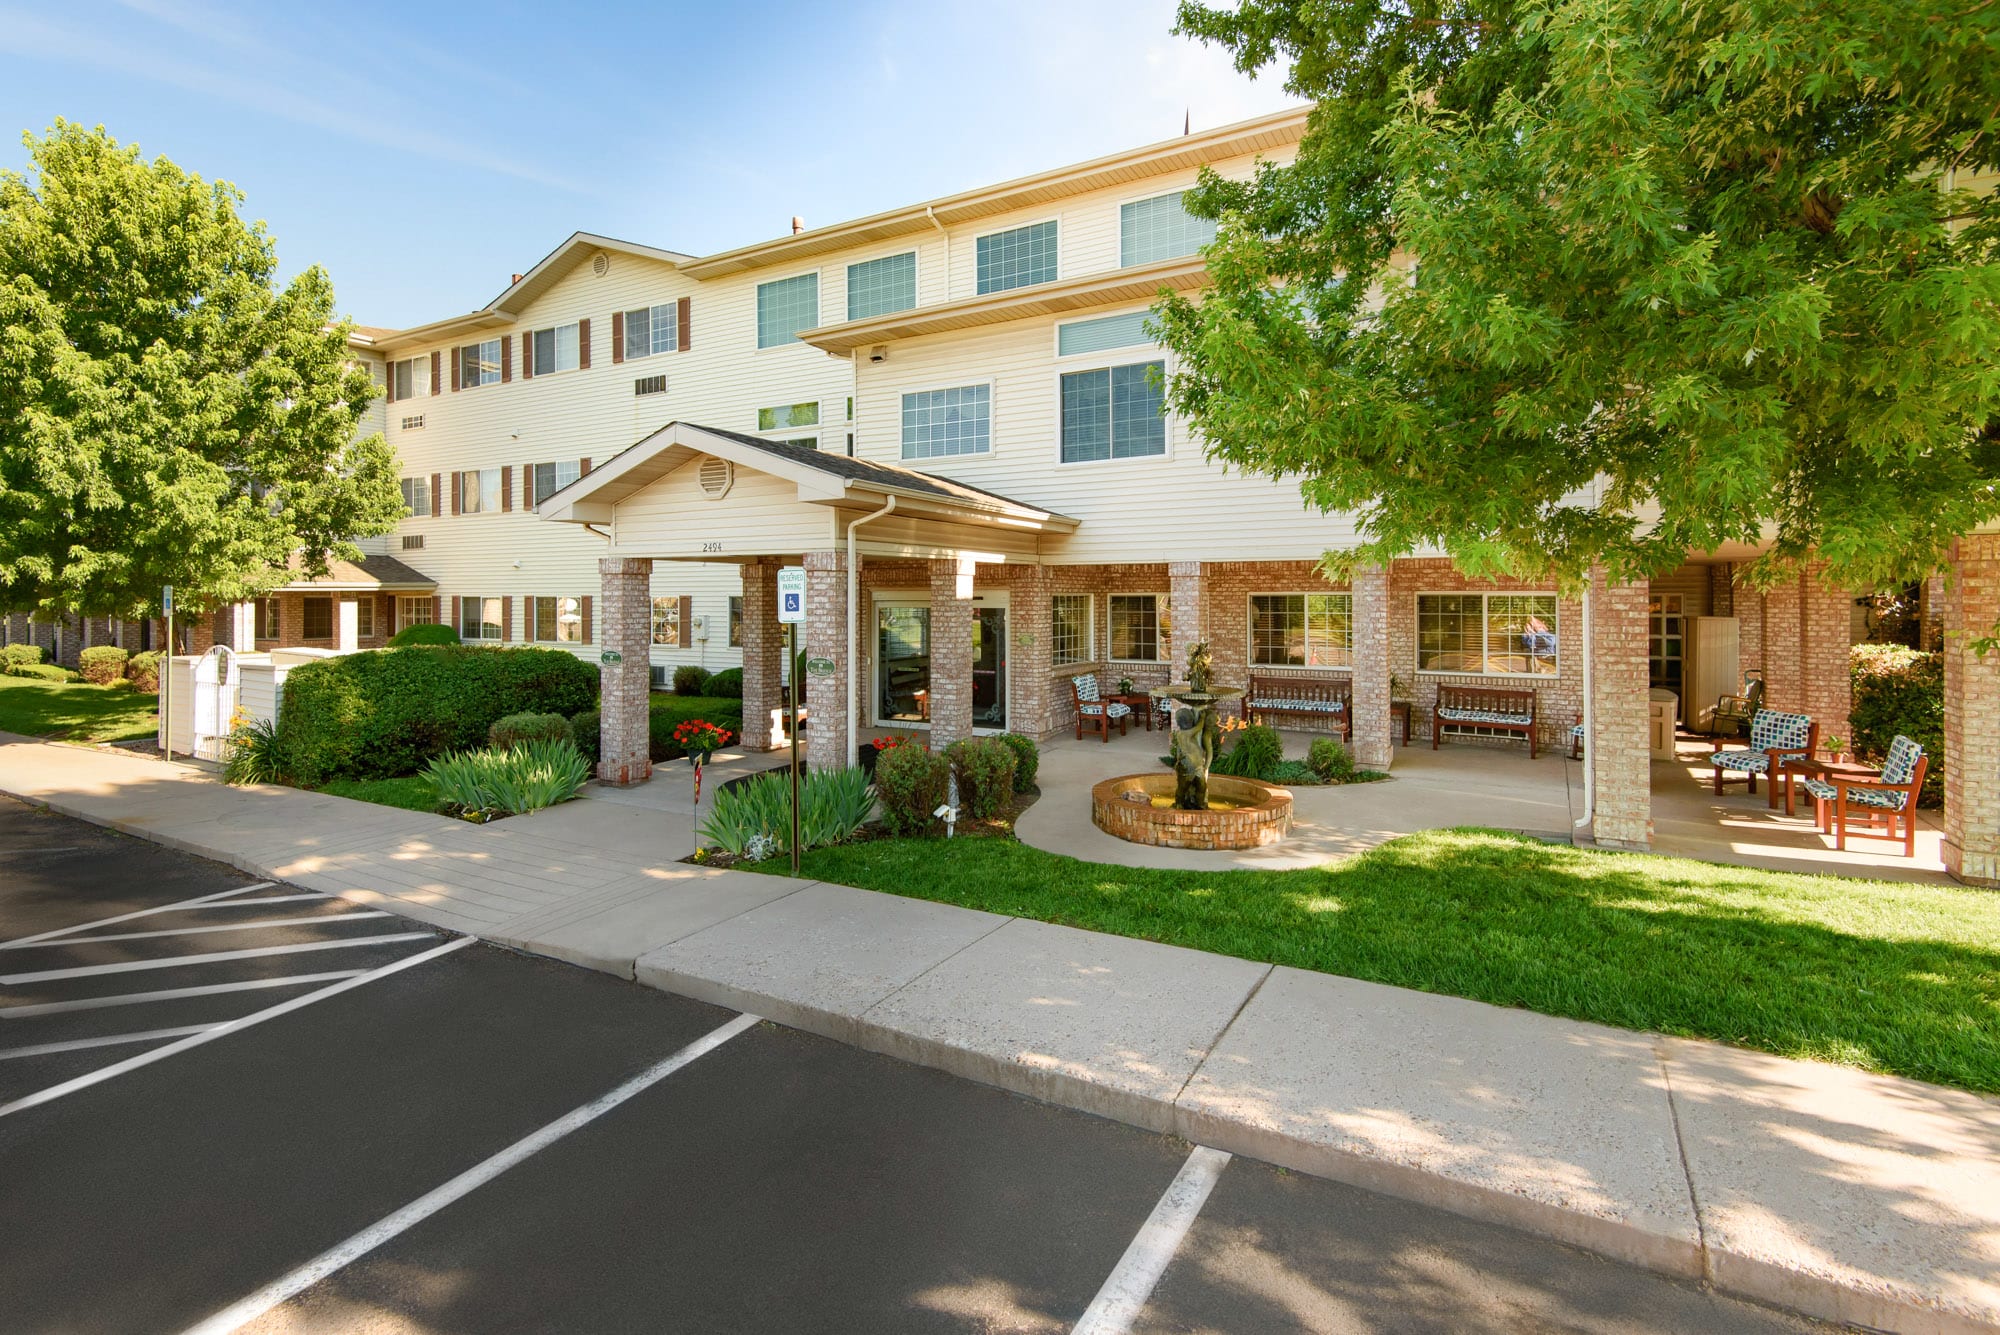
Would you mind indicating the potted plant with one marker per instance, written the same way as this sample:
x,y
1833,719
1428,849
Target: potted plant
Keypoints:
x,y
1398,688
700,739
1124,686
1834,748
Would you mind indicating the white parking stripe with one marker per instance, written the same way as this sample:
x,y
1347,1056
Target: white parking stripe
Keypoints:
x,y
54,1092
1118,1303
240,1314
105,1041
260,901
195,931
141,913
212,957
172,994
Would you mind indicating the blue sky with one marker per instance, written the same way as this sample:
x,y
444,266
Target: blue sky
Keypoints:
x,y
422,153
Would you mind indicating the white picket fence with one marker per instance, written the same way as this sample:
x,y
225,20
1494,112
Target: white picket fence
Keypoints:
x,y
208,691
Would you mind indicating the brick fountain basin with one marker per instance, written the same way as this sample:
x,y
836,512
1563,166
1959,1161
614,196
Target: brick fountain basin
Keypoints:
x,y
1261,813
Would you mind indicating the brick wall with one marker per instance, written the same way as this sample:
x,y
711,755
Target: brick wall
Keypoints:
x,y
624,624
1826,632
1722,589
763,653
1374,747
1972,714
1099,582
951,657
826,637
1620,762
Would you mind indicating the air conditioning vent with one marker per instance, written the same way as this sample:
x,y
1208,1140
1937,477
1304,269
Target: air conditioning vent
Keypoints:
x,y
600,264
412,541
414,423
649,384
715,476
657,676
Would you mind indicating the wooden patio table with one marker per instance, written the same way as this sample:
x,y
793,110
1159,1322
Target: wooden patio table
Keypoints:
x,y
1138,702
1820,769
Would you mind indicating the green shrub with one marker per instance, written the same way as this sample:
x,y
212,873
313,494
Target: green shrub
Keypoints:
x,y
143,671
384,714
517,728
757,815
1292,773
1329,761
1897,689
21,653
524,778
427,633
256,754
669,712
985,768
728,684
911,783
583,730
1257,752
40,671
102,664
689,678
1027,760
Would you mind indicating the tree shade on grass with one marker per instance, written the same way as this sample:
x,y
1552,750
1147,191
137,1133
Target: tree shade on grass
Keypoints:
x,y
76,712
1886,976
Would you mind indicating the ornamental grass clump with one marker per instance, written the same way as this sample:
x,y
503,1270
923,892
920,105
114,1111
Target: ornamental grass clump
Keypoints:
x,y
256,753
753,819
480,785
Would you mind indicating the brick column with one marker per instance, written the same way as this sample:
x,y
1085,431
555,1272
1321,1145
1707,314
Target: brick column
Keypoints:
x,y
1722,589
1184,601
1972,714
1826,629
1374,747
1784,648
624,626
236,626
1030,658
951,657
1931,633
1616,750
763,654
833,698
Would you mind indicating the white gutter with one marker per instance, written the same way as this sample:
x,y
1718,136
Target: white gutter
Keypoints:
x,y
931,213
854,630
1589,716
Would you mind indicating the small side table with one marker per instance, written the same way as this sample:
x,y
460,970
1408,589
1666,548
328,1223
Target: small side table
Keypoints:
x,y
1819,769
1138,702
1399,711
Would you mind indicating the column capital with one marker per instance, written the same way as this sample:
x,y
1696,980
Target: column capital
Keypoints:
x,y
624,565
1183,570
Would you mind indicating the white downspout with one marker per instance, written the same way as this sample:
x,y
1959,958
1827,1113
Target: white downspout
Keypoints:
x,y
854,630
1589,714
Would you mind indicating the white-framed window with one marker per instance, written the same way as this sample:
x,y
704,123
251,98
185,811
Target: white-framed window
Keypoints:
x,y
784,307
1017,257
411,377
479,491
478,618
650,329
414,611
479,364
267,618
1114,412
316,617
1071,636
552,478
1103,333
417,497
735,620
801,442
555,349
364,617
1302,630
940,423
1499,634
882,287
1160,228
667,622
557,620
1139,625
786,416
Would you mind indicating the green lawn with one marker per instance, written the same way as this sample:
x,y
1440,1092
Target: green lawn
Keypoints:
x,y
412,792
1877,974
76,712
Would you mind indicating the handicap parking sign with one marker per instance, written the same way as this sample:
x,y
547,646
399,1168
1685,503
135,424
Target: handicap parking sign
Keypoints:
x,y
791,595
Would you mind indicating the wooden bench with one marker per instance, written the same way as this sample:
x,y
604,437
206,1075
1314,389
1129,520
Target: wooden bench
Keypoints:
x,y
1302,697
1484,707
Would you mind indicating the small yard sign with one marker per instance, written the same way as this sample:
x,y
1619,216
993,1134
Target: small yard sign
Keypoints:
x,y
791,595
610,656
819,667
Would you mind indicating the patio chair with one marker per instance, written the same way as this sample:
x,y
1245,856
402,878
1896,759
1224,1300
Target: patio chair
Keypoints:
x,y
1095,711
1774,737
1734,712
1887,800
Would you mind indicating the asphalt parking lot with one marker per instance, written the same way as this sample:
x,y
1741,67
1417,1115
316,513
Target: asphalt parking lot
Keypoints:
x,y
267,1112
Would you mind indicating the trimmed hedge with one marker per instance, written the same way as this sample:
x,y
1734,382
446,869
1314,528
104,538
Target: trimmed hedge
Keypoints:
x,y
40,671
689,678
1897,689
911,783
516,728
727,683
667,713
427,633
1027,760
985,768
143,671
102,664
21,653
385,714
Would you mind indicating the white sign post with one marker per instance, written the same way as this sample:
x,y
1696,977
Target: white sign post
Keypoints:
x,y
166,682
792,611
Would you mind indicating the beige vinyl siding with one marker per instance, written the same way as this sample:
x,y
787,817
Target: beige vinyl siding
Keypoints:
x,y
761,514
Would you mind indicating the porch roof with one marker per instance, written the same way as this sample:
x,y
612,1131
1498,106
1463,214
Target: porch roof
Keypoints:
x,y
821,478
372,574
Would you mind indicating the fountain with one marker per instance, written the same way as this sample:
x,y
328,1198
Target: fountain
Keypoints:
x,y
1192,808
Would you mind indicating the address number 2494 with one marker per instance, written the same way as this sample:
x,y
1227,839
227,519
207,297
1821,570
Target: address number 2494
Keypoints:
x,y
711,546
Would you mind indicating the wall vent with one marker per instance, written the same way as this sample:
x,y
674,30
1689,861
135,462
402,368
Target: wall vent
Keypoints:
x,y
412,541
715,476
414,423
649,384
600,264
656,676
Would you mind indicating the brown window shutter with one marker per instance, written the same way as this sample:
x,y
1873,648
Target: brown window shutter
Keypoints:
x,y
455,493
456,619
687,622
527,617
582,467
388,382
506,358
385,624
684,320
437,494
437,609
437,372
528,355
506,619
456,377
506,488
617,337
585,600
583,345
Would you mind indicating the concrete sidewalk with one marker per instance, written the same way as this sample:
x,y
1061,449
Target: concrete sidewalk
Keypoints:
x,y
1848,1196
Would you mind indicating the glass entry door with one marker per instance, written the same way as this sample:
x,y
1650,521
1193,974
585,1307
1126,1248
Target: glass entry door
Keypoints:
x,y
989,668
903,665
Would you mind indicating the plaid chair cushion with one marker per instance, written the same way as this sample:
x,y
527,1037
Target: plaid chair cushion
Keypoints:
x,y
1302,705
1750,762
1482,716
1086,686
1772,730
1856,797
1901,764
1117,711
